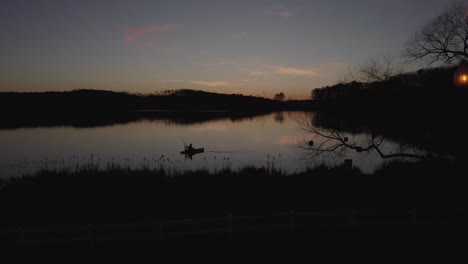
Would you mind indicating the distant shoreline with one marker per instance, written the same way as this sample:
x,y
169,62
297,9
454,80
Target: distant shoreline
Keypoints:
x,y
101,100
88,108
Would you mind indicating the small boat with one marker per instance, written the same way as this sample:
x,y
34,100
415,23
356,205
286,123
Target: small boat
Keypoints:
x,y
192,151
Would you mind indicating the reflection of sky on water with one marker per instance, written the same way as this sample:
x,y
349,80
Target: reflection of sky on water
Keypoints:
x,y
259,141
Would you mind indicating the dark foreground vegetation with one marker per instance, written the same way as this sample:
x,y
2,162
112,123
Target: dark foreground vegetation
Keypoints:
x,y
91,197
123,195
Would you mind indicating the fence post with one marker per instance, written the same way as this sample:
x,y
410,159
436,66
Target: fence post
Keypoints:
x,y
292,221
230,226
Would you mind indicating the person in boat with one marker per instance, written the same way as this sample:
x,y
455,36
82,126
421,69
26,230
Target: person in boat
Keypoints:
x,y
190,148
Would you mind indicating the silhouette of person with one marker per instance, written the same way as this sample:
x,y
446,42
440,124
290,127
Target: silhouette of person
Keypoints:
x,y
190,147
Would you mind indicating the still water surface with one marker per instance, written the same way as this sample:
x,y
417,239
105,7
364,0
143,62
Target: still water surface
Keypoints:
x,y
268,140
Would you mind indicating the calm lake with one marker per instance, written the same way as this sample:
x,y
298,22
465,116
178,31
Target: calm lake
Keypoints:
x,y
269,140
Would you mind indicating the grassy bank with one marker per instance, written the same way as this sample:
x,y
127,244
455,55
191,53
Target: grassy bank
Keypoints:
x,y
90,195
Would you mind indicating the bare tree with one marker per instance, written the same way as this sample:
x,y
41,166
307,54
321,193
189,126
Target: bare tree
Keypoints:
x,y
349,75
379,70
332,142
443,39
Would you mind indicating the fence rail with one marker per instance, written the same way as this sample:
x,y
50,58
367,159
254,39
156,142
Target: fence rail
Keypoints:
x,y
226,226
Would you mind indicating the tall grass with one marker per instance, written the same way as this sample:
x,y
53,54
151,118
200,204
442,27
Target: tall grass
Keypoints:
x,y
160,165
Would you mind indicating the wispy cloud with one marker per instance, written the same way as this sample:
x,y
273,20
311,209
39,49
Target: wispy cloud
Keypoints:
x,y
297,71
212,83
286,13
259,73
137,34
197,82
159,81
214,63
266,70
280,11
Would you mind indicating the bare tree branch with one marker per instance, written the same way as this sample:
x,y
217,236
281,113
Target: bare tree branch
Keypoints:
x,y
332,142
373,70
444,38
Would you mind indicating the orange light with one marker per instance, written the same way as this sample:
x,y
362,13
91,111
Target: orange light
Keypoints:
x,y
460,77
464,78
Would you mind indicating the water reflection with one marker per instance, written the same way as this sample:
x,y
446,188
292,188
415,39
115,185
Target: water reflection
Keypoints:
x,y
93,120
229,141
332,142
279,117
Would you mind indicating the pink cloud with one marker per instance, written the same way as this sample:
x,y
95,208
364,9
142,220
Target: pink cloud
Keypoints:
x,y
281,11
137,34
260,73
286,13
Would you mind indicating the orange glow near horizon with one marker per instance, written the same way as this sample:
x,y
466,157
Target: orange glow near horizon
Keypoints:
x,y
464,78
461,77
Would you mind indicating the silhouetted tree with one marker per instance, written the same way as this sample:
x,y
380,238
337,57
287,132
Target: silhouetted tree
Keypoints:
x,y
317,93
332,142
378,70
444,38
279,97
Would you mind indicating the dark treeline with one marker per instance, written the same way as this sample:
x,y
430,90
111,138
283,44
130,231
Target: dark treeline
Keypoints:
x,y
92,100
423,108
85,108
430,89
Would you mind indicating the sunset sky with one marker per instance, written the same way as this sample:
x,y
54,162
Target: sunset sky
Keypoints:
x,y
254,47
